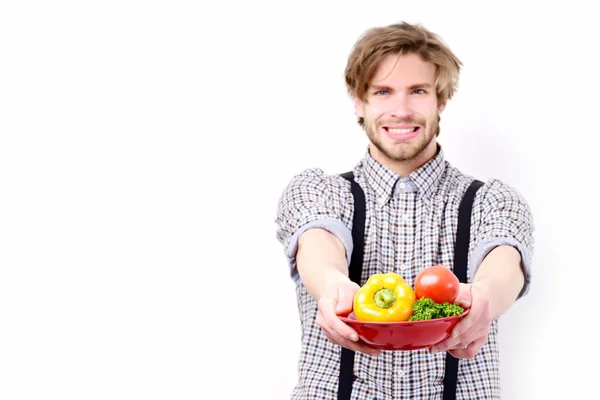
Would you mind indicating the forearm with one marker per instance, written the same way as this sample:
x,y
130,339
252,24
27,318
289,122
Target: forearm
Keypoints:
x,y
321,261
501,276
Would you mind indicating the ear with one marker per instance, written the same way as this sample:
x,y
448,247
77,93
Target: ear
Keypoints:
x,y
359,107
441,107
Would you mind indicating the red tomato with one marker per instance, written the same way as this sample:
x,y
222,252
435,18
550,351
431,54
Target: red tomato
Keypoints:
x,y
437,283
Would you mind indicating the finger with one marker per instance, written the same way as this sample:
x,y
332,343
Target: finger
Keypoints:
x,y
463,333
467,323
464,297
329,326
345,301
331,320
335,337
467,339
355,346
471,350
458,339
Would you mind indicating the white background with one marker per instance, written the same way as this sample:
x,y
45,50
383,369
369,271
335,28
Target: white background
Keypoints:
x,y
144,145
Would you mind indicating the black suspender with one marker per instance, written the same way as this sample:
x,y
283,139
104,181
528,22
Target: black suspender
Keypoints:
x,y
461,252
358,229
355,272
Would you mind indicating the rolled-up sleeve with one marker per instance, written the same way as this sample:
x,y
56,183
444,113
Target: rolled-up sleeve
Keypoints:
x,y
311,200
502,217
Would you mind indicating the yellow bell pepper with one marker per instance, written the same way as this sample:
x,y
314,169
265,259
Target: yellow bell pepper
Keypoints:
x,y
384,298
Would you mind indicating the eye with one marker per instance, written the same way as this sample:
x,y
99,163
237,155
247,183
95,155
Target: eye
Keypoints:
x,y
419,91
381,92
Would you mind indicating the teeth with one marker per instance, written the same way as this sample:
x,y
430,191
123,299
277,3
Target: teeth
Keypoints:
x,y
396,131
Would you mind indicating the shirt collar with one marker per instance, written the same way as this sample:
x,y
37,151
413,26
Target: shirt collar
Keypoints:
x,y
383,180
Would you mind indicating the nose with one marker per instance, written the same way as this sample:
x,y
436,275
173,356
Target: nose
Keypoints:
x,y
400,108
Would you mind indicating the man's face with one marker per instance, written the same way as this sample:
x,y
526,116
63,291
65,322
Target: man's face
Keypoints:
x,y
401,111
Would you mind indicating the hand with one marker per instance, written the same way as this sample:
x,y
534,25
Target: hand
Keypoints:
x,y
471,333
338,301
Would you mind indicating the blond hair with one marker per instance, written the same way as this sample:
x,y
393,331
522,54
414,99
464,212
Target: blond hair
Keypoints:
x,y
403,38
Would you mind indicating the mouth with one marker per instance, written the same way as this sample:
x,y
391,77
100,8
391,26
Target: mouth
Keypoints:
x,y
401,132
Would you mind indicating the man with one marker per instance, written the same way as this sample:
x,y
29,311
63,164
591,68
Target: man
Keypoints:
x,y
400,78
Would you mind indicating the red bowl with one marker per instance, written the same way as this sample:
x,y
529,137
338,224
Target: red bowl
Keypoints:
x,y
404,335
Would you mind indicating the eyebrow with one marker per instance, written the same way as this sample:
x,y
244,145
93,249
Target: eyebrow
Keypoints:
x,y
411,87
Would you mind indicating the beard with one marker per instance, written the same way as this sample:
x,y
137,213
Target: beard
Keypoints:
x,y
403,151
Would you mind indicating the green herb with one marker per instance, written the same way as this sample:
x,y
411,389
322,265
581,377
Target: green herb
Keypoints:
x,y
425,308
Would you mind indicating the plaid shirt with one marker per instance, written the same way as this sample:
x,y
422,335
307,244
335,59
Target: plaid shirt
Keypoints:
x,y
410,224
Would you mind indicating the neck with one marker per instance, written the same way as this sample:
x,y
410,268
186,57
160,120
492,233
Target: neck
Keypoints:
x,y
406,167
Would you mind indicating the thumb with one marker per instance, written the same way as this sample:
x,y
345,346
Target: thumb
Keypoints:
x,y
345,300
464,297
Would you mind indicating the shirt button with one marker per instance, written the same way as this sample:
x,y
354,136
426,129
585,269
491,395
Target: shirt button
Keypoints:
x,y
400,373
405,217
402,185
404,267
381,200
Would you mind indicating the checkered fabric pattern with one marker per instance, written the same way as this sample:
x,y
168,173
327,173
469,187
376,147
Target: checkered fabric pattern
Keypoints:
x,y
410,224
